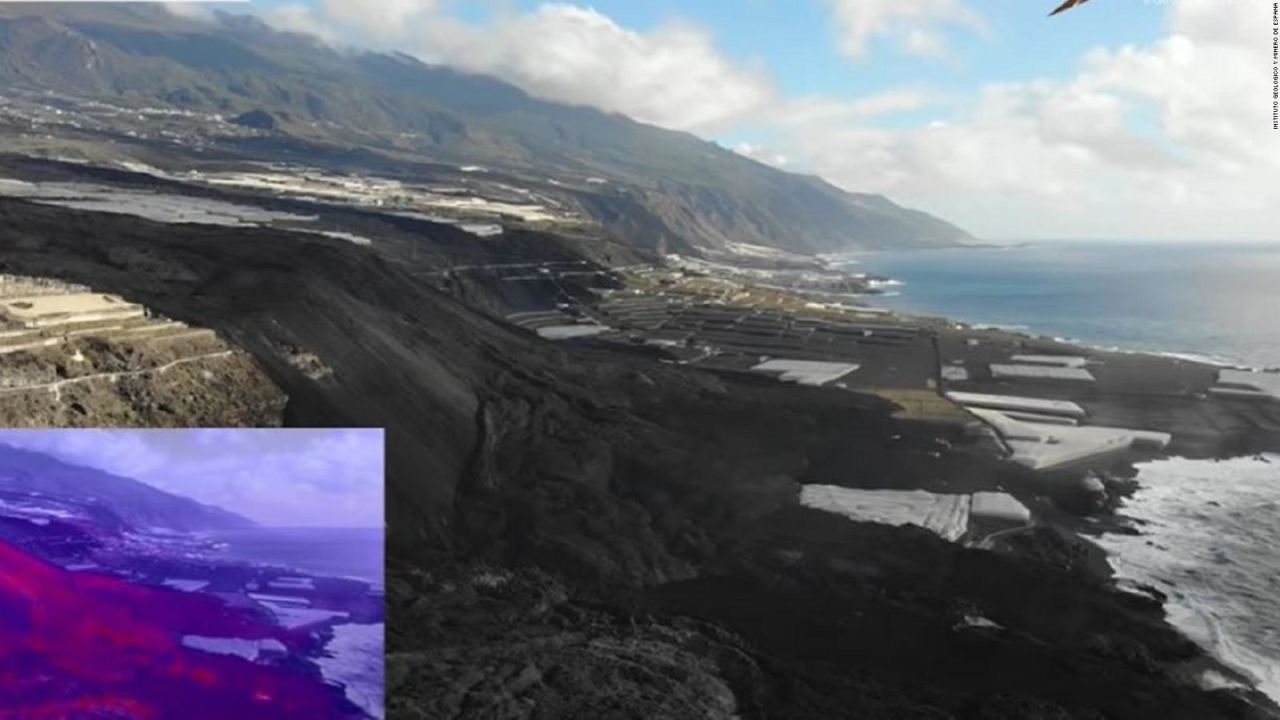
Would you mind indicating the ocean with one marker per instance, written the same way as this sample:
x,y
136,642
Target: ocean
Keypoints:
x,y
1211,540
336,552
1214,300
1212,544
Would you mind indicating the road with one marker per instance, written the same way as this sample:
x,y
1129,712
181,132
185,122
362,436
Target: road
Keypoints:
x,y
56,386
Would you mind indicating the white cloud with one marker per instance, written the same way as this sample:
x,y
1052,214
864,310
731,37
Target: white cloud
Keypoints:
x,y
380,20
761,153
293,477
1170,139
673,75
912,24
300,19
373,23
1167,138
817,109
189,10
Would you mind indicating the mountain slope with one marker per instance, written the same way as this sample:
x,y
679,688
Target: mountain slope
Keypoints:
x,y
693,192
136,503
629,529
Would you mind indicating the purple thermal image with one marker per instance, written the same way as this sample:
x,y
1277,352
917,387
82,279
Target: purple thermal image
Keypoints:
x,y
154,574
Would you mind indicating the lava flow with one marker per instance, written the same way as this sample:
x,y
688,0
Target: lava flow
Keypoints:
x,y
80,645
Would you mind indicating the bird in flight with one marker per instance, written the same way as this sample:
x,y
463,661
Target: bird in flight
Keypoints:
x,y
1067,6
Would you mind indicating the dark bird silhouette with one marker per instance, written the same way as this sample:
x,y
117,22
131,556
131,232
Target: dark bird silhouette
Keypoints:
x,y
1067,6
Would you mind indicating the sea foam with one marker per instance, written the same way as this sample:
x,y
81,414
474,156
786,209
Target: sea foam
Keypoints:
x,y
1210,542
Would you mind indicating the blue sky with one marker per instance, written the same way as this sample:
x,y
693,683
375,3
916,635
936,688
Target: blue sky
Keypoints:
x,y
276,477
794,40
1119,118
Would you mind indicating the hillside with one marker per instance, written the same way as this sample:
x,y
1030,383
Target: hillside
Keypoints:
x,y
642,183
138,504
601,532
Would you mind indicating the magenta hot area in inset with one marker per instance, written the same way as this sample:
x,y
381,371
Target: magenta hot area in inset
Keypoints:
x,y
152,574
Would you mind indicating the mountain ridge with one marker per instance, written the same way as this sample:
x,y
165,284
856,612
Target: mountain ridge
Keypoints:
x,y
139,504
697,194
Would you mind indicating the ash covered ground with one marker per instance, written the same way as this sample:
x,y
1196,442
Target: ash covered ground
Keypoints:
x,y
597,480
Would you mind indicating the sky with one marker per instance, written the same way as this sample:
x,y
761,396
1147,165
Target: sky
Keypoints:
x,y
275,477
1117,119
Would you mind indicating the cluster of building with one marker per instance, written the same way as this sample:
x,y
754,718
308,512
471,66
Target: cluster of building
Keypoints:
x,y
1016,397
951,516
1050,434
1246,384
476,203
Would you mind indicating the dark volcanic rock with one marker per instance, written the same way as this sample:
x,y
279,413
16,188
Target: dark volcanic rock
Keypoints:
x,y
402,356
580,532
256,119
515,646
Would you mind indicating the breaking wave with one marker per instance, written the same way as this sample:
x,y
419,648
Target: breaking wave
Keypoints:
x,y
1209,540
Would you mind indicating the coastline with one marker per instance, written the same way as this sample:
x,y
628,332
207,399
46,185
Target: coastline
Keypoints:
x,y
1218,361
1200,300
288,548
1174,547
1246,669
1030,333
853,615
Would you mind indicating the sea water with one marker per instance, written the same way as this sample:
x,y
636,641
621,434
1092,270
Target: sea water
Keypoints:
x,y
1216,300
1211,533
353,659
1211,543
334,552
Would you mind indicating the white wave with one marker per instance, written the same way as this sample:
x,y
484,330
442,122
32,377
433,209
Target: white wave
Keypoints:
x,y
353,660
1215,360
1207,358
1221,361
996,326
1209,542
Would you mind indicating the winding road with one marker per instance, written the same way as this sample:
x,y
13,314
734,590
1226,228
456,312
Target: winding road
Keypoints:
x,y
57,386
